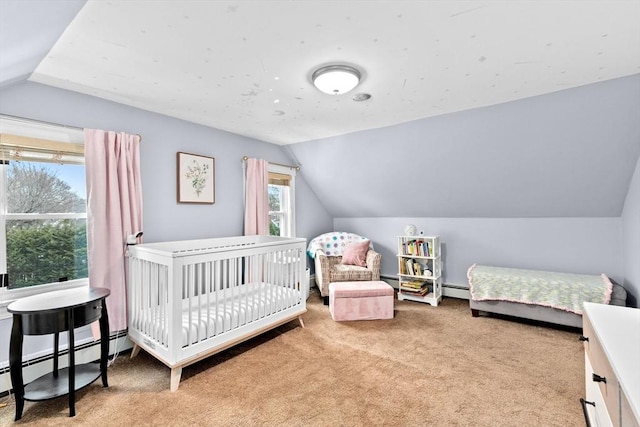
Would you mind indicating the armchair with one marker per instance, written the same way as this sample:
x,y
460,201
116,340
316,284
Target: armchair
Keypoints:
x,y
327,251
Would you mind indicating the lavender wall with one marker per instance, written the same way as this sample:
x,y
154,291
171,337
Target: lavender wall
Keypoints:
x,y
631,239
590,244
577,245
537,183
565,154
162,137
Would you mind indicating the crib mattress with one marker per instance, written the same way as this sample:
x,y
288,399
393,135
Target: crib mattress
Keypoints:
x,y
232,308
218,312
564,291
241,305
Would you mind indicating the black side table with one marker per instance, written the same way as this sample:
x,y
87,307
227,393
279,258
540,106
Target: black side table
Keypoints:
x,y
52,313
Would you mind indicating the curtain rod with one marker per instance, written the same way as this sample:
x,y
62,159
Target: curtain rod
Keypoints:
x,y
297,168
25,120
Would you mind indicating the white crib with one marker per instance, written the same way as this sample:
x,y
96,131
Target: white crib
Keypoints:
x,y
191,299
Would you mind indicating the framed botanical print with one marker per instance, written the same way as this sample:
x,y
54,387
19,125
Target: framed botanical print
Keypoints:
x,y
196,178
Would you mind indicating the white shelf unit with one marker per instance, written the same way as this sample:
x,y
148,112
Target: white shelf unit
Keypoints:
x,y
419,269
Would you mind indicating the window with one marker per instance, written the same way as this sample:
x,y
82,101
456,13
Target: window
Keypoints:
x,y
281,201
42,205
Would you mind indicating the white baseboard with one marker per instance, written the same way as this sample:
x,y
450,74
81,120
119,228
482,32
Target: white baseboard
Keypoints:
x,y
448,289
455,292
86,354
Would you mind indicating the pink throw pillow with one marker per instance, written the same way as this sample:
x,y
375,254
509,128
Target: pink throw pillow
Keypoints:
x,y
356,253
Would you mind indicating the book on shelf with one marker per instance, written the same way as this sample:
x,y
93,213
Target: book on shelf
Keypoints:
x,y
411,267
417,247
405,266
414,284
417,269
415,292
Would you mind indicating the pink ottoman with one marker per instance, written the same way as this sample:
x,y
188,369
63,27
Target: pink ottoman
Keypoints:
x,y
360,300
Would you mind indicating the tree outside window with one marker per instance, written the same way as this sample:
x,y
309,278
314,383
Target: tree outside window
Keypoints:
x,y
281,201
44,223
275,198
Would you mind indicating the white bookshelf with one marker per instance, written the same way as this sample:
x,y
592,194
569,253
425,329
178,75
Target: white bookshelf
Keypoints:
x,y
419,269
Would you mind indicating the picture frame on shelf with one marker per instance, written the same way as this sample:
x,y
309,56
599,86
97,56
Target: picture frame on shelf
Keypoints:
x,y
196,178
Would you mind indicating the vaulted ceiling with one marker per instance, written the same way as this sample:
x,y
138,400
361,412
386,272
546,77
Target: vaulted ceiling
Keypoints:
x,y
545,94
245,66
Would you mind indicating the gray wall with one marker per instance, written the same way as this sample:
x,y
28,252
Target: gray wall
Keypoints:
x,y
631,239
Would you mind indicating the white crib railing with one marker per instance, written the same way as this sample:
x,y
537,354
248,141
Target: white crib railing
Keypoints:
x,y
191,299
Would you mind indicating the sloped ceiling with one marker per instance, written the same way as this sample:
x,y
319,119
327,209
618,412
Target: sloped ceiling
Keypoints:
x,y
478,108
245,66
28,30
567,154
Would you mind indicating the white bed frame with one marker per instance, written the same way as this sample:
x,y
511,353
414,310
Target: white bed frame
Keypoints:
x,y
188,300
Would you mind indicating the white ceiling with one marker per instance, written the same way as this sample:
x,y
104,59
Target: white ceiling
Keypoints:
x,y
244,66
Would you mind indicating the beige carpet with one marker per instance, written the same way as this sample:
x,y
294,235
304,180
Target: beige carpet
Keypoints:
x,y
429,366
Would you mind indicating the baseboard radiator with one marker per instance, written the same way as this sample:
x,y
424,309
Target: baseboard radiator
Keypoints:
x,y
85,353
448,289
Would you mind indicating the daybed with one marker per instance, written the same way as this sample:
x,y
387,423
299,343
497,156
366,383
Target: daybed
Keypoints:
x,y
190,299
327,251
538,295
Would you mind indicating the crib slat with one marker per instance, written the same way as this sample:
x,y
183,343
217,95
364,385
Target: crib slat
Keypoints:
x,y
217,294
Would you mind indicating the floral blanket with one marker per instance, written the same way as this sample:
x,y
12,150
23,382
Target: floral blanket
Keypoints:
x,y
564,291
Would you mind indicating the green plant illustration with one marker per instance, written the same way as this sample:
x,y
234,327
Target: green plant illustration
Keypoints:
x,y
197,174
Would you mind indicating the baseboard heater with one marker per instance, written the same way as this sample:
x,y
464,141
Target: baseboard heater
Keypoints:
x,y
85,353
448,289
455,286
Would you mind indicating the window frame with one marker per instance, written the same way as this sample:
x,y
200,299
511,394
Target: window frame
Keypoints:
x,y
287,215
50,132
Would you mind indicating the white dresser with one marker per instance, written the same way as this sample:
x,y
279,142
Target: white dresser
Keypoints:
x,y
611,336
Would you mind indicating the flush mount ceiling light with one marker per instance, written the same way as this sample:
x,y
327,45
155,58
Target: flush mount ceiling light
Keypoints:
x,y
335,79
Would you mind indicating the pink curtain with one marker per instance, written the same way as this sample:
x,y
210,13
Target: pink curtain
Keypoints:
x,y
256,205
114,211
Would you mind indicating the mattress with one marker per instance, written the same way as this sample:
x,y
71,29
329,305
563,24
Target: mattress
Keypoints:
x,y
563,291
232,308
225,310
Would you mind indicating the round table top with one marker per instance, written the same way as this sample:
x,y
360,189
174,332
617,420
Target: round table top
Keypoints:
x,y
57,300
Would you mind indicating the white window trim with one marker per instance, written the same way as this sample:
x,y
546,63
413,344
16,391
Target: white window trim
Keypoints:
x,y
275,168
3,213
49,131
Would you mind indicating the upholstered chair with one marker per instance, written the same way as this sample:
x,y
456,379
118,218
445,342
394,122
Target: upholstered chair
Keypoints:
x,y
343,257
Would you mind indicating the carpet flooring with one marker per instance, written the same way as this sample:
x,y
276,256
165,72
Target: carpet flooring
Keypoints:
x,y
428,366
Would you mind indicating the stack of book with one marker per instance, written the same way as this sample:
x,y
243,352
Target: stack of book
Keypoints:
x,y
415,287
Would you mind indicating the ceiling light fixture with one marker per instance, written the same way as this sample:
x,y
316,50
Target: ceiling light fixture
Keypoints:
x,y
336,79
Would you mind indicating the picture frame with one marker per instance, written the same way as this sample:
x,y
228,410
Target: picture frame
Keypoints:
x,y
196,178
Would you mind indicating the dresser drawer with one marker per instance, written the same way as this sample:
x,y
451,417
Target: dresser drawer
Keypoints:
x,y
601,367
594,406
